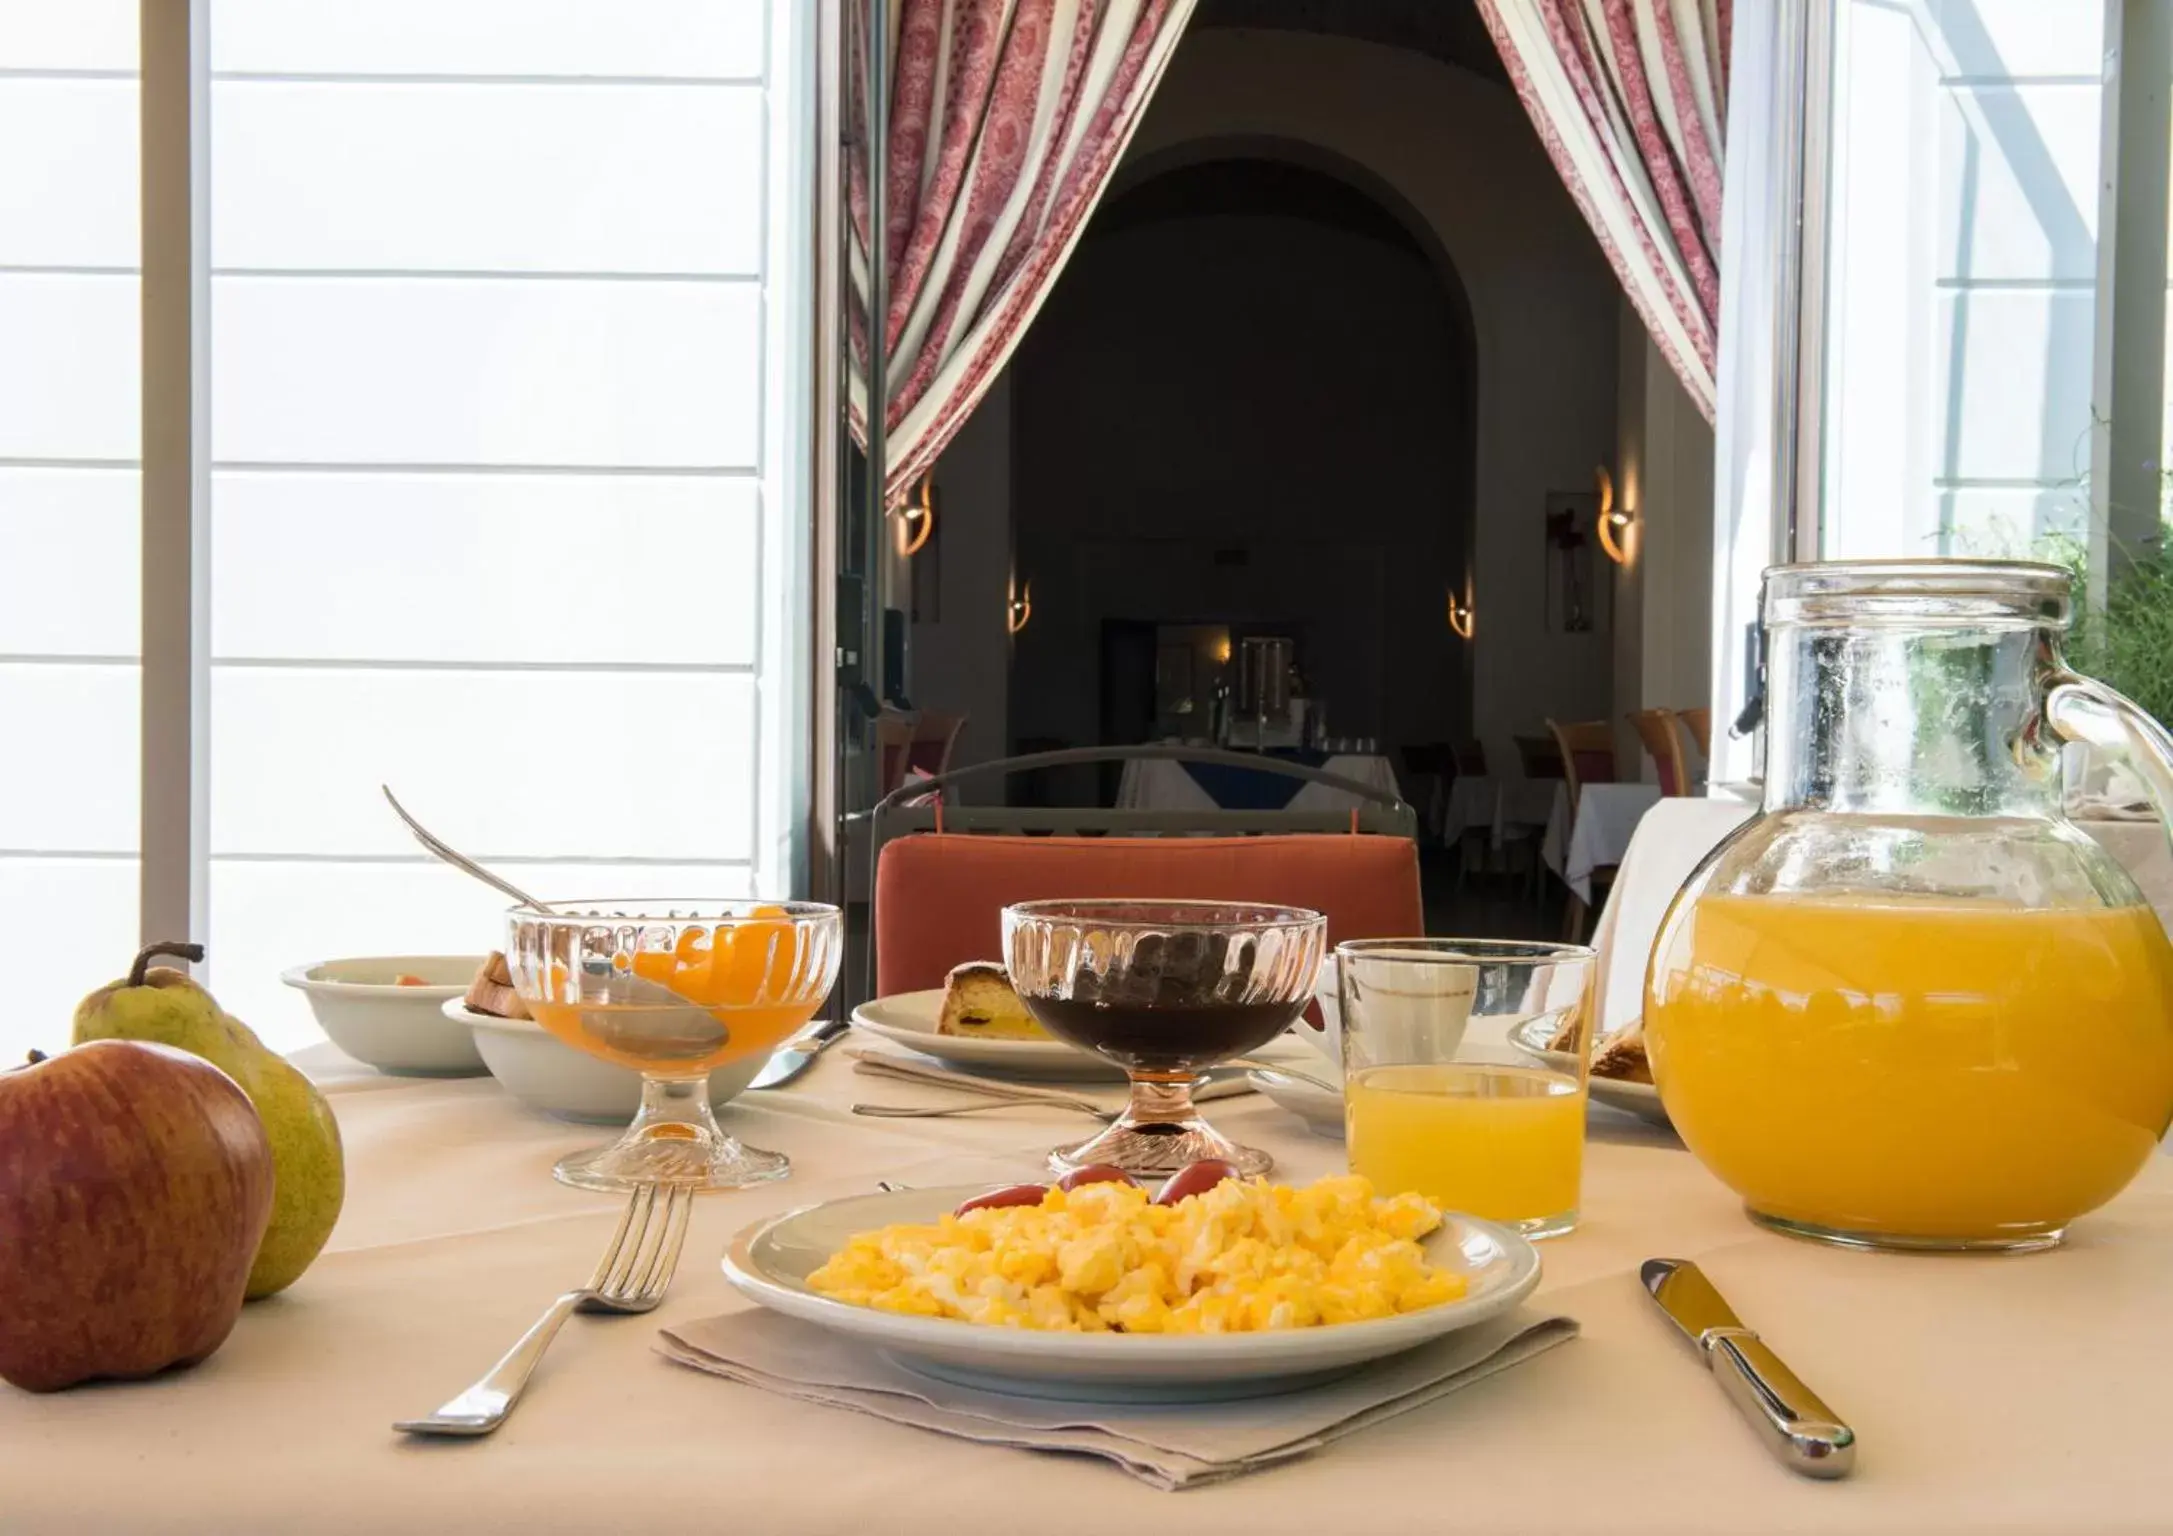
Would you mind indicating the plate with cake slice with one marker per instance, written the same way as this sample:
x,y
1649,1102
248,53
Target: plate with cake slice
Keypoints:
x,y
976,1021
1621,1074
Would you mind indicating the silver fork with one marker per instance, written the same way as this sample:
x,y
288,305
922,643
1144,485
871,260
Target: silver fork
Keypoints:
x,y
632,1277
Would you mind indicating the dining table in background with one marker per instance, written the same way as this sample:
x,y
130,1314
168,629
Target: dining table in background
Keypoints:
x,y
1598,835
1167,784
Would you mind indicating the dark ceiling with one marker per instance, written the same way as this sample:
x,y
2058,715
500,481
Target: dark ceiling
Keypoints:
x,y
1448,30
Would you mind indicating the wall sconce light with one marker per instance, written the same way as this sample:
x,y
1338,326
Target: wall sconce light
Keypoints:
x,y
913,522
1019,608
1460,617
1615,523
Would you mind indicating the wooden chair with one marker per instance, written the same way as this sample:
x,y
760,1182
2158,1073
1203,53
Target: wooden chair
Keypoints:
x,y
1699,722
1661,730
924,741
1588,757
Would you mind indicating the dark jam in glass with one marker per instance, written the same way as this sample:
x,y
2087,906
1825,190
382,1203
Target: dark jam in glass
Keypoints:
x,y
1164,1037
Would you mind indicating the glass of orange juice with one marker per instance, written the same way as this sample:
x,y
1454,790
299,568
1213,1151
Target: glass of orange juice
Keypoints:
x,y
673,989
1464,1073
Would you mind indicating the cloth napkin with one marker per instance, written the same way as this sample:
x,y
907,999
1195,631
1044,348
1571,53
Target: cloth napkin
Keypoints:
x,y
1173,1446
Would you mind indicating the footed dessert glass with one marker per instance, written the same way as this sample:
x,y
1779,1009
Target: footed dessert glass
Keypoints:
x,y
1165,989
672,989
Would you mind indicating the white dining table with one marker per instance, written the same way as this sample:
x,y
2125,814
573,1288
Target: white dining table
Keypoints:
x,y
1599,835
1162,784
1988,1394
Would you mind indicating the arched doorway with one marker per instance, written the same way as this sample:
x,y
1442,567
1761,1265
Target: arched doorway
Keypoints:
x,y
1250,404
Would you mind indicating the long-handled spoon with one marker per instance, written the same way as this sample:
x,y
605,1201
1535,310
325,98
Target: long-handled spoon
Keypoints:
x,y
441,849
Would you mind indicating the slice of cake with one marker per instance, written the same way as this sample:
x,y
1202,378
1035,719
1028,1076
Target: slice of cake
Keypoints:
x,y
978,1000
492,991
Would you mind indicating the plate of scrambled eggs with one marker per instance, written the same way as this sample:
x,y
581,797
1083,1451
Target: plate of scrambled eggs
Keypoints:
x,y
1098,1293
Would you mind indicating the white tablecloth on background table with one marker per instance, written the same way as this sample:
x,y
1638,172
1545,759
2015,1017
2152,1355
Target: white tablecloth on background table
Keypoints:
x,y
1163,784
1607,816
1524,803
1988,1394
1473,803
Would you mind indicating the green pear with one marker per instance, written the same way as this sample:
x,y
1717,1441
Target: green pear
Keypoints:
x,y
165,1007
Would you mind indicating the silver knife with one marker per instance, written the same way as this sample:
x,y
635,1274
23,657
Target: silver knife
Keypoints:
x,y
798,1054
1797,1427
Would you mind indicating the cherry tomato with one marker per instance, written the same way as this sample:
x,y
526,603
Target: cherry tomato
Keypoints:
x,y
1096,1173
1010,1194
1198,1179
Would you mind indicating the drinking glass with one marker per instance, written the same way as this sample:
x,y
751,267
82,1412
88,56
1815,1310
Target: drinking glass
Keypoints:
x,y
672,989
1165,989
1465,1066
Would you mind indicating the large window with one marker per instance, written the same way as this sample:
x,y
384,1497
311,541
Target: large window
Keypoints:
x,y
1944,302
505,506
1961,275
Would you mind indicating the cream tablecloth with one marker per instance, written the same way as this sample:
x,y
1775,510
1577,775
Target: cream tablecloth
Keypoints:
x,y
1988,1394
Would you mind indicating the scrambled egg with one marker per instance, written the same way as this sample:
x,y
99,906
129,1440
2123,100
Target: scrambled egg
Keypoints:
x,y
1243,1256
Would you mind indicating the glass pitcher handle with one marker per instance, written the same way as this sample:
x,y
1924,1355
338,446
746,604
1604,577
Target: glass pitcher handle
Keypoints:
x,y
2085,710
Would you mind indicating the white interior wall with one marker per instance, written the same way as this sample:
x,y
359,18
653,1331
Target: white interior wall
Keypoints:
x,y
1664,477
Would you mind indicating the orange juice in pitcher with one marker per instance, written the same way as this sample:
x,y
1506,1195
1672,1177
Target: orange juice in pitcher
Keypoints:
x,y
1910,1005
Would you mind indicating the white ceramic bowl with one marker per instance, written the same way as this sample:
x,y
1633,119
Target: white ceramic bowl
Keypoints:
x,y
395,1029
546,1073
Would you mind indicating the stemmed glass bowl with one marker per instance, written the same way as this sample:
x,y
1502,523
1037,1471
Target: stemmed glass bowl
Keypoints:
x,y
673,989
1164,989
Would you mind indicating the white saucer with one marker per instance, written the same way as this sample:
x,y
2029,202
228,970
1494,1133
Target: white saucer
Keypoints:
x,y
771,1260
1320,1108
909,1019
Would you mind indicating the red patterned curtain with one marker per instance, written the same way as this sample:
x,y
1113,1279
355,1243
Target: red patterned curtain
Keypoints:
x,y
1006,118
1630,97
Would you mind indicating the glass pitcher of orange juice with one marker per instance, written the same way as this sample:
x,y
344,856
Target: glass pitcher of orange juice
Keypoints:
x,y
1910,1005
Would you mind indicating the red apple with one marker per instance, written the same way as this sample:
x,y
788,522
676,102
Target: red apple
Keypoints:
x,y
135,1185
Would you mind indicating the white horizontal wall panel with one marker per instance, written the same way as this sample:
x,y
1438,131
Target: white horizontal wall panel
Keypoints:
x,y
2018,171
482,568
538,764
2013,399
481,371
70,774
69,187
70,546
670,38
80,916
508,177
2001,38
71,378
68,34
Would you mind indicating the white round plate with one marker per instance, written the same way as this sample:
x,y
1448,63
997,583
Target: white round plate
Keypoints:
x,y
771,1260
909,1019
1320,1108
1640,1099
